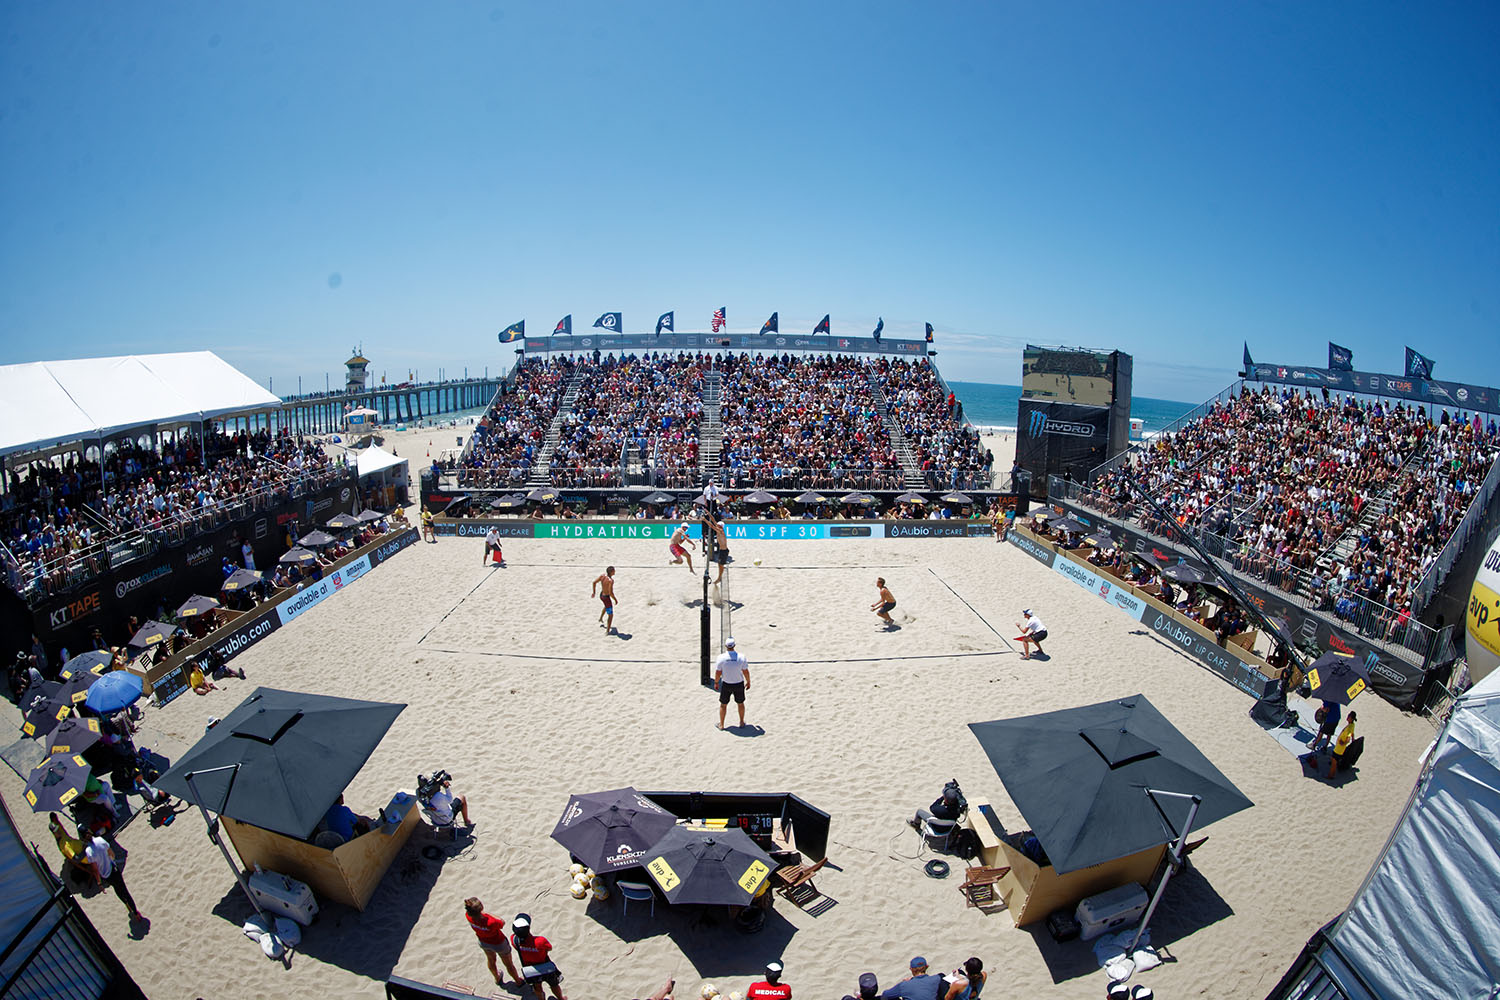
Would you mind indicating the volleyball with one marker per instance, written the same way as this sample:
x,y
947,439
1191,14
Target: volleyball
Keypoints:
x,y
757,562
579,890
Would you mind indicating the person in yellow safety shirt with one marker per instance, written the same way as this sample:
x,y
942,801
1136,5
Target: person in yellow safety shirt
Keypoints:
x,y
427,533
1346,736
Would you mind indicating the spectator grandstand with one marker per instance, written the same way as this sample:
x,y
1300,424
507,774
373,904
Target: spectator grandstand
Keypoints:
x,y
509,438
632,411
946,449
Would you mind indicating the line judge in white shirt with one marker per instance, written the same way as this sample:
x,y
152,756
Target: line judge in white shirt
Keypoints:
x,y
731,680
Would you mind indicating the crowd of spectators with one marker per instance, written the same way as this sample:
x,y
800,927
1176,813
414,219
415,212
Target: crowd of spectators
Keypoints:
x,y
1276,477
804,423
509,437
947,449
58,515
651,404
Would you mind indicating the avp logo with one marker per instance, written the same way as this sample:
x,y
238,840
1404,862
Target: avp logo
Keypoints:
x,y
1039,423
608,321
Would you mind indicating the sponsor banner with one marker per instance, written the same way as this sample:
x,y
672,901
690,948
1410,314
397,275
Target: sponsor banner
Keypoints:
x,y
1391,677
319,591
391,546
1459,395
1040,553
75,609
141,579
723,341
1100,586
199,554
1242,675
246,633
733,530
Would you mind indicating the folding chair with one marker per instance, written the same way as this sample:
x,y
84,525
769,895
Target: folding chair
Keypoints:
x,y
979,885
939,829
638,891
795,882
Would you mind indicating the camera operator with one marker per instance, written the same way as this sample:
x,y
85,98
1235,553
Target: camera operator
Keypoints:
x,y
948,806
441,802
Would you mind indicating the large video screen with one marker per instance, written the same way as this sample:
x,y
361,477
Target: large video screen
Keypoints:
x,y
1068,376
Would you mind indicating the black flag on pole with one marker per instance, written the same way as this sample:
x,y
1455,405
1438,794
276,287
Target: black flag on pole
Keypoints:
x,y
516,331
771,325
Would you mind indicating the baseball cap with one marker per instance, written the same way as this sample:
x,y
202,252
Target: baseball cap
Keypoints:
x,y
918,962
1027,611
868,983
729,643
522,920
774,968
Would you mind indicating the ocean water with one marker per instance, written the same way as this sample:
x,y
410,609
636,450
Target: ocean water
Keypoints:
x,y
990,405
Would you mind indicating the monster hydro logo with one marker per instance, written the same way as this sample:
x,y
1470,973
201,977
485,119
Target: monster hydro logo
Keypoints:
x,y
1039,424
1483,623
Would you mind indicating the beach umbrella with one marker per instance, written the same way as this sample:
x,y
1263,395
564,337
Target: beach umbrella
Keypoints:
x,y
114,691
340,522
299,557
76,687
197,605
1183,573
811,496
542,495
1100,540
150,634
955,498
658,498
1337,677
43,707
857,497
507,503
1079,778
611,830
1150,559
95,661
240,579
368,515
57,781
1069,524
73,735
1043,512
281,758
695,865
760,498
909,497
316,539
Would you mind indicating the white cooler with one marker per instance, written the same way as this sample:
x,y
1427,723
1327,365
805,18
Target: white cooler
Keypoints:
x,y
283,895
1111,910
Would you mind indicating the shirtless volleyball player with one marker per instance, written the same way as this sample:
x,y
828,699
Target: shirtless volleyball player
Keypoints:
x,y
679,539
887,601
604,589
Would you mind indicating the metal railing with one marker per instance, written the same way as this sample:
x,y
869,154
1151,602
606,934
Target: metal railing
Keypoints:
x,y
1396,630
796,478
1454,547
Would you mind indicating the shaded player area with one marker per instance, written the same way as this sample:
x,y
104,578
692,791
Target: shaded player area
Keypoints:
x,y
789,613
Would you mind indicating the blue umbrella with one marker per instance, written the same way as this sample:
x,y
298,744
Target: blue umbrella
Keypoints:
x,y
114,691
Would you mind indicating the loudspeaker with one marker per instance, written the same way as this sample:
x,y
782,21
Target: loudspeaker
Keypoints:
x,y
1023,498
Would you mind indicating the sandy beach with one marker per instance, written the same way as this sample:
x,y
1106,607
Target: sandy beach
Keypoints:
x,y
514,687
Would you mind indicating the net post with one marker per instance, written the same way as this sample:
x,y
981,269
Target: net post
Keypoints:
x,y
705,618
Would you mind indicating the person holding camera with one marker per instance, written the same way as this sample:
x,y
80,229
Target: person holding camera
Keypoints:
x,y
949,806
440,804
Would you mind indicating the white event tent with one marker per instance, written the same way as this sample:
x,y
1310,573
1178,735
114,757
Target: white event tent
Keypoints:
x,y
47,403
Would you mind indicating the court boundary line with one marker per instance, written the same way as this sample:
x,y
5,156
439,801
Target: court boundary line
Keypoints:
x,y
971,607
842,659
487,578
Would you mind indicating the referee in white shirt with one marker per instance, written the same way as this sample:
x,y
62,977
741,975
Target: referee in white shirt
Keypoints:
x,y
731,680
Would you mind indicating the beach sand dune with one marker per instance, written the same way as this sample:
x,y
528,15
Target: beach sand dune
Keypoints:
x,y
514,687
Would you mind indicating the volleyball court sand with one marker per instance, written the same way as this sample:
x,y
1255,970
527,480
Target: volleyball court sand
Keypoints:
x,y
863,723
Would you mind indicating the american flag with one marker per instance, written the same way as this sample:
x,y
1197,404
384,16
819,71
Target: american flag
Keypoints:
x,y
719,321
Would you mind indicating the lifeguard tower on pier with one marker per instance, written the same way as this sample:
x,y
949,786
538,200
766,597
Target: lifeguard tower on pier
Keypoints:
x,y
358,378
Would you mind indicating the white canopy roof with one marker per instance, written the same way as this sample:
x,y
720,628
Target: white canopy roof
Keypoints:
x,y
376,459
50,402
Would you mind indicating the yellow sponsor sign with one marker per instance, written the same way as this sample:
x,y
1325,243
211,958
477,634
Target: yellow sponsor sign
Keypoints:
x,y
1355,688
1313,680
1484,617
663,874
754,876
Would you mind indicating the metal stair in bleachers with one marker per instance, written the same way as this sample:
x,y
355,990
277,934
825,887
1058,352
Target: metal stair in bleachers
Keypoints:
x,y
911,470
1375,509
541,471
711,427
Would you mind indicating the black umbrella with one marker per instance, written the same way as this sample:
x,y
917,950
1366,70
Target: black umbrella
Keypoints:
x,y
316,539
542,495
1079,778
1183,573
1069,524
658,498
1149,558
43,707
57,781
339,522
612,830
240,579
694,865
281,758
955,497
197,605
76,688
507,503
1337,677
150,634
298,556
812,496
1100,540
73,736
368,515
910,497
760,498
95,661
857,497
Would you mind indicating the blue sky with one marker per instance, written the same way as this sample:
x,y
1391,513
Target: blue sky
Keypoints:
x,y
280,181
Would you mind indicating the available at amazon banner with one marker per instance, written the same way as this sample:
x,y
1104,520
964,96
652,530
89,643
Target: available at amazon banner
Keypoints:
x,y
1391,677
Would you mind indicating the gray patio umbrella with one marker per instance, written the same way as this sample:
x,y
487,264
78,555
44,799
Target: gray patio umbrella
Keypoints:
x,y
240,579
151,633
95,661
955,497
197,605
281,758
708,866
658,498
1183,573
339,522
909,497
1080,778
369,514
760,498
857,497
542,495
298,556
507,503
811,496
1100,540
1069,524
612,830
316,539
1337,677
